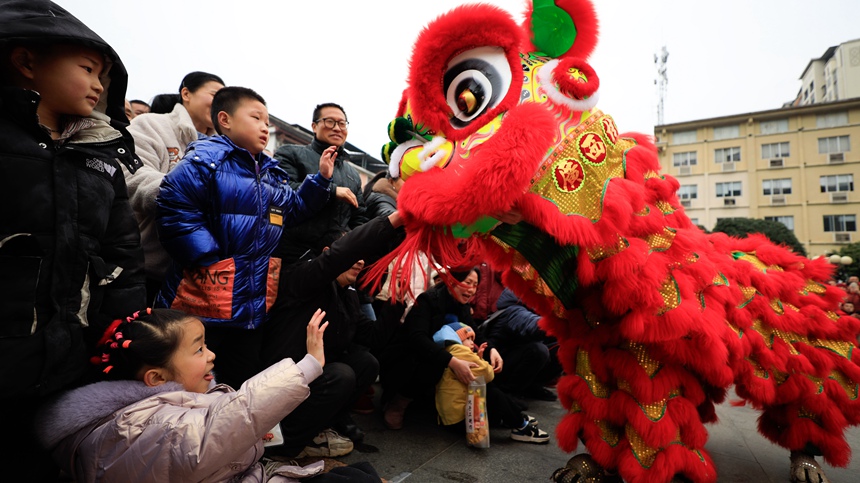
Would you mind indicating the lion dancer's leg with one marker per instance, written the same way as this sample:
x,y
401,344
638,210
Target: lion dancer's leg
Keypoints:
x,y
635,416
808,395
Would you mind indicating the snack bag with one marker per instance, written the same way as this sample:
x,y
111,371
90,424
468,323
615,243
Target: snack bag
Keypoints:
x,y
477,427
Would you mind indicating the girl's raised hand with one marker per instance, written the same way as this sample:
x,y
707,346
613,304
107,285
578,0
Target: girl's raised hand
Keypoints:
x,y
316,328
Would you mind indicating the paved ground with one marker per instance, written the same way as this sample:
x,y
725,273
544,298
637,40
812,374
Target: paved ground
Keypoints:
x,y
424,453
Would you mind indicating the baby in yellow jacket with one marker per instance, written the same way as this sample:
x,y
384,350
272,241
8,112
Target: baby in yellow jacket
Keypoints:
x,y
459,340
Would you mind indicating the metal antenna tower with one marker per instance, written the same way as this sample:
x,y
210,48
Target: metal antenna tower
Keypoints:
x,y
660,61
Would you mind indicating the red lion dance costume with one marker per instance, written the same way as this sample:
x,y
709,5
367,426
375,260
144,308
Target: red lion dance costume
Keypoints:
x,y
655,318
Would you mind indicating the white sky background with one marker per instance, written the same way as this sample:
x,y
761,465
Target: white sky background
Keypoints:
x,y
725,57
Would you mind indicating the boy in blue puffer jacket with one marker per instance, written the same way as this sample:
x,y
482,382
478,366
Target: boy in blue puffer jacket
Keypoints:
x,y
220,214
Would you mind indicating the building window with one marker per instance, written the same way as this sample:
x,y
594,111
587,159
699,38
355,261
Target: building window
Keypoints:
x,y
774,127
727,132
839,182
684,159
788,221
694,221
727,155
727,189
688,192
776,186
835,144
833,119
840,223
775,150
684,137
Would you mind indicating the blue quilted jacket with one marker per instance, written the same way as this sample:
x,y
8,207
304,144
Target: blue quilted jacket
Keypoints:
x,y
220,215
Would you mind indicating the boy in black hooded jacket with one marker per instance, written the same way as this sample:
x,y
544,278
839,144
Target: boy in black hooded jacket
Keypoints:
x,y
70,256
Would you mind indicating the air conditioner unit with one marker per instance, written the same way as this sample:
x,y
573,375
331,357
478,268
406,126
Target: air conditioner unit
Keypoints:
x,y
777,200
684,170
842,237
776,163
686,203
836,158
728,167
839,197
729,202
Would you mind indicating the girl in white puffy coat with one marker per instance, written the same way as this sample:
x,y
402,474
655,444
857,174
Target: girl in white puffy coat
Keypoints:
x,y
161,417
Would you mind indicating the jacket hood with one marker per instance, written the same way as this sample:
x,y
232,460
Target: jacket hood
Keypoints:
x,y
86,405
44,22
508,299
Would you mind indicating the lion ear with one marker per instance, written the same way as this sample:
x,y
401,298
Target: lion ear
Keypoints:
x,y
561,28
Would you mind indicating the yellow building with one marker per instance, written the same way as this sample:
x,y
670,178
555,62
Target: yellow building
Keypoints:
x,y
796,165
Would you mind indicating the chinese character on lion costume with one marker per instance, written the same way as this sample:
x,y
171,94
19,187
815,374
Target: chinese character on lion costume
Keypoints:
x,y
655,319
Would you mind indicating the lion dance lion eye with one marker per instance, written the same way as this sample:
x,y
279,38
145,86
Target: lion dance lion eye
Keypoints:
x,y
476,80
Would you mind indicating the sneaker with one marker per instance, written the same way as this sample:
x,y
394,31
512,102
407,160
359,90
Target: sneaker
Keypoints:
x,y
394,412
327,443
530,433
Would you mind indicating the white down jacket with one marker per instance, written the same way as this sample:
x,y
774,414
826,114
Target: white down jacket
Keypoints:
x,y
126,431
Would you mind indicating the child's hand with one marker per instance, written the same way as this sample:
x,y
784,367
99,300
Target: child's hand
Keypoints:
x,y
481,350
327,161
315,336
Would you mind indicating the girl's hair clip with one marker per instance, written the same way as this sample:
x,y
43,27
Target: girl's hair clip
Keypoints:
x,y
126,343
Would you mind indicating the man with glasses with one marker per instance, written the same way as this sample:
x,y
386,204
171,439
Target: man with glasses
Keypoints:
x,y
345,210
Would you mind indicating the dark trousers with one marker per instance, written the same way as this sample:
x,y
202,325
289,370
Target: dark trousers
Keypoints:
x,y
365,367
21,456
328,393
527,365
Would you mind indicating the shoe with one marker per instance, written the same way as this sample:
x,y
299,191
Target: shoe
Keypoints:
x,y
364,405
540,393
530,433
327,443
530,419
394,411
349,429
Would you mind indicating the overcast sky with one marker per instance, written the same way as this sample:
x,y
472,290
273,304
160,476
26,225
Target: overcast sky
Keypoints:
x,y
725,57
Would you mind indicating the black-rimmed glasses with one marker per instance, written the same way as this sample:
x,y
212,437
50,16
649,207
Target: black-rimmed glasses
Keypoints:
x,y
330,123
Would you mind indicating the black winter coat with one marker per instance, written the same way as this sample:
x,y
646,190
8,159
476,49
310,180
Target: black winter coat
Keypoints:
x,y
336,217
310,284
70,256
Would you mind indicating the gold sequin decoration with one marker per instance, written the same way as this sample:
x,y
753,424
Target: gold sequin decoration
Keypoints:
x,y
651,175
748,293
597,254
758,370
645,361
818,382
751,258
850,387
813,287
720,279
644,454
776,305
832,315
802,412
575,408
588,199
660,242
665,207
671,295
644,212
843,348
583,370
608,433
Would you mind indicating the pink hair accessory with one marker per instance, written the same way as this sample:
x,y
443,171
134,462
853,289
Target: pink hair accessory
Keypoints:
x,y
118,335
107,369
114,345
126,343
